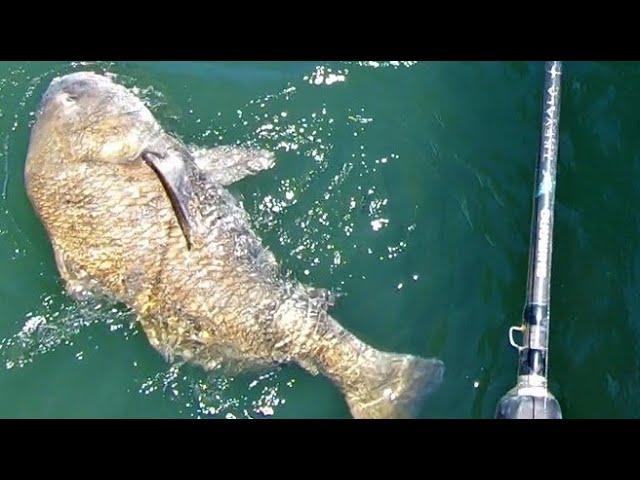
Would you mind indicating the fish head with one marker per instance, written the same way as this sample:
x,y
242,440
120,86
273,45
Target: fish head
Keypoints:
x,y
92,118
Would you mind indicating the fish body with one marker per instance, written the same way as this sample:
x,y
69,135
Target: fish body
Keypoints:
x,y
137,216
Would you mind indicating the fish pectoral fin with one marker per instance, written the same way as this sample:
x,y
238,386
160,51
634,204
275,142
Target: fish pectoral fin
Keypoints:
x,y
172,170
228,164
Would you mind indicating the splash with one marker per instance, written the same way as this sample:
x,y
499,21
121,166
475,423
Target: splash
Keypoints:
x,y
391,64
219,395
325,75
57,322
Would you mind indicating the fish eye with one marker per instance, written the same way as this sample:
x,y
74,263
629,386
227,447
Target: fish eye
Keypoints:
x,y
69,98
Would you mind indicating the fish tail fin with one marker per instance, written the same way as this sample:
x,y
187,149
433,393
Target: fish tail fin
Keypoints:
x,y
393,385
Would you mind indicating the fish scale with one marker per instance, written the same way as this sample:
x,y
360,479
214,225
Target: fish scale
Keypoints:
x,y
153,226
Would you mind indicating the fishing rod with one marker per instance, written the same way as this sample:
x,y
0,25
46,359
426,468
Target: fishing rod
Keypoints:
x,y
531,398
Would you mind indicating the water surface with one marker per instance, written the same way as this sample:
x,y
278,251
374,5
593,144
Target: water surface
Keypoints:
x,y
405,186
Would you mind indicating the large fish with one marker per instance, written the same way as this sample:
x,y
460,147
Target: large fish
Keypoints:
x,y
137,216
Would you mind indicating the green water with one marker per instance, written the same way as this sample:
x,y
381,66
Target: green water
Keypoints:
x,y
406,186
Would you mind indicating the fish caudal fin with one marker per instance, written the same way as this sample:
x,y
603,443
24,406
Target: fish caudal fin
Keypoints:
x,y
394,385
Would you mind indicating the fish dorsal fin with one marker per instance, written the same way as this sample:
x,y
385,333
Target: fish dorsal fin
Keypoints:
x,y
172,169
